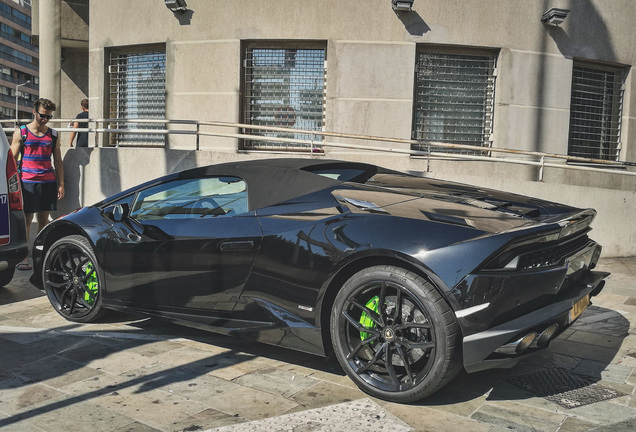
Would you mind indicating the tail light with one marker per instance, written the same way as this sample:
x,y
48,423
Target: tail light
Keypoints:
x,y
13,184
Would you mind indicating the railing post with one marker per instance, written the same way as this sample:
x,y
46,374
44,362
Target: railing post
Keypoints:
x,y
312,144
196,140
541,169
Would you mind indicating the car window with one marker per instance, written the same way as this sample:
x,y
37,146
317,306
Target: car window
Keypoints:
x,y
197,198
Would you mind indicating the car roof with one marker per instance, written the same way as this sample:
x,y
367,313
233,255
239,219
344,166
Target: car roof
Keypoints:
x,y
272,181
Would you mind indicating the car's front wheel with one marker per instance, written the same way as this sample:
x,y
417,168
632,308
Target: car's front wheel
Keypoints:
x,y
72,279
394,335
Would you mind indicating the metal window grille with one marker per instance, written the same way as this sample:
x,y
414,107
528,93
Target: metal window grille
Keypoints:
x,y
454,99
137,91
284,87
595,112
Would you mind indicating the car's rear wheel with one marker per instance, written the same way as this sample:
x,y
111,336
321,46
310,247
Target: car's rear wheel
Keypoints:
x,y
72,279
394,335
6,276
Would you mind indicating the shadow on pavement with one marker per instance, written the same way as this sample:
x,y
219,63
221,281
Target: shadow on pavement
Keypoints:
x,y
586,350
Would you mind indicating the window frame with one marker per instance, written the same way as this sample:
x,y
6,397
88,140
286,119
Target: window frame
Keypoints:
x,y
284,116
486,120
610,122
118,101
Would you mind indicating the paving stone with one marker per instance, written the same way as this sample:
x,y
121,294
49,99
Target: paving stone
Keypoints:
x,y
250,403
323,372
207,419
359,415
452,401
624,426
154,408
186,383
155,348
16,426
234,365
188,355
571,424
603,371
136,427
603,340
276,381
85,350
96,386
437,418
518,417
79,416
582,350
325,393
606,412
119,362
19,397
56,371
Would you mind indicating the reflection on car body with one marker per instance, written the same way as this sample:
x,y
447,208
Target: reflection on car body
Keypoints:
x,y
407,279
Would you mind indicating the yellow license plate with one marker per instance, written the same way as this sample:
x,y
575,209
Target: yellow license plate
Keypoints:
x,y
578,308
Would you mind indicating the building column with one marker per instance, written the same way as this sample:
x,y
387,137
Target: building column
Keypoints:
x,y
50,50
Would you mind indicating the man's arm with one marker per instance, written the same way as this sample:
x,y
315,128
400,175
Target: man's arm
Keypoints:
x,y
16,143
75,125
59,168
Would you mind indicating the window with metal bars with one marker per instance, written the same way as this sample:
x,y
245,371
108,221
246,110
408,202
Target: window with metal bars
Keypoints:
x,y
284,86
454,95
137,91
595,111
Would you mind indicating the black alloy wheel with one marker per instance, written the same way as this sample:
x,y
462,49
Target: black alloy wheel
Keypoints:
x,y
394,335
72,279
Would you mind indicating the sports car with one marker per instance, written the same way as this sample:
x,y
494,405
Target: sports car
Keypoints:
x,y
407,280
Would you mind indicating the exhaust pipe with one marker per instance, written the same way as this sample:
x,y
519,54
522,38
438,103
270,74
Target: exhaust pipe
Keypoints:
x,y
546,335
518,346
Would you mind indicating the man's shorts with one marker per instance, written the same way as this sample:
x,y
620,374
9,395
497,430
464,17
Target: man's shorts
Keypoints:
x,y
39,197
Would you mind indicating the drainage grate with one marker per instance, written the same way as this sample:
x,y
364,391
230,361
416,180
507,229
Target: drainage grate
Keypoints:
x,y
564,387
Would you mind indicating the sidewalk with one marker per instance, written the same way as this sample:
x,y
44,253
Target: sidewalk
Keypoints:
x,y
142,375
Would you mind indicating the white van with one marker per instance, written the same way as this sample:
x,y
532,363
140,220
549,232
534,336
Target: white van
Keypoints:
x,y
13,237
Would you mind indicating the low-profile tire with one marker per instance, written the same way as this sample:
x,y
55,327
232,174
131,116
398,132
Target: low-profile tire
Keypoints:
x,y
394,334
73,280
6,276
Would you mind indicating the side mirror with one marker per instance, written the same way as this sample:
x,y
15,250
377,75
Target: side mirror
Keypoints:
x,y
117,213
121,212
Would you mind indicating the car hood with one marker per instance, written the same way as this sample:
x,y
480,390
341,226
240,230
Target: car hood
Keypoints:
x,y
452,203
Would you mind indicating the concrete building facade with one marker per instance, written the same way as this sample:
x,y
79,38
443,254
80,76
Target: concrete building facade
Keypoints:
x,y
549,76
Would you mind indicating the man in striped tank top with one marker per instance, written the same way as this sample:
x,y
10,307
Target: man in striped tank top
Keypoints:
x,y
42,182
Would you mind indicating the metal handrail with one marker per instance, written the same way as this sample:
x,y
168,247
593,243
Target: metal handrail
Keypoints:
x,y
317,140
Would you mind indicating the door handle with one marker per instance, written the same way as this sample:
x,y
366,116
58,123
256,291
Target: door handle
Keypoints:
x,y
237,246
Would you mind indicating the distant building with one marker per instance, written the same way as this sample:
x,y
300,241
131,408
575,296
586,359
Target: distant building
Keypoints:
x,y
18,60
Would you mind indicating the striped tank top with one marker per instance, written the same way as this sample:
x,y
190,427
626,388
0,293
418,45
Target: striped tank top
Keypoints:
x,y
36,166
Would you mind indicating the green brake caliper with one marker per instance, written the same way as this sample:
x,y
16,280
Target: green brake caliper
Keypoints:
x,y
366,320
91,284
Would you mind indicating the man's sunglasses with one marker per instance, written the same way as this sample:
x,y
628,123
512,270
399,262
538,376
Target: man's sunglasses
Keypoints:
x,y
44,116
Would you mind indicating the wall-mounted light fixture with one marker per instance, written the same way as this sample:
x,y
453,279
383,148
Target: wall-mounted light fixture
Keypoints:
x,y
402,5
554,16
176,5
